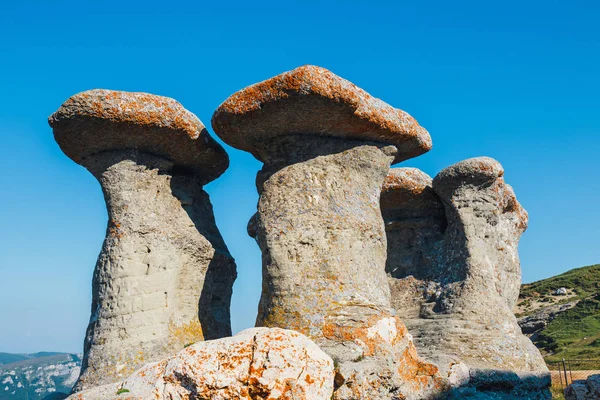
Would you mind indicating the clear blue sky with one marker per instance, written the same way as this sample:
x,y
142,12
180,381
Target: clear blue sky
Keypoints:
x,y
517,81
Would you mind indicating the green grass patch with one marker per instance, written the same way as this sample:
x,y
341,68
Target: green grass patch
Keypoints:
x,y
585,281
574,333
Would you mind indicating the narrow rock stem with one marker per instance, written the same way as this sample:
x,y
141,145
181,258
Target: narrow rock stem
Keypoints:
x,y
164,276
320,230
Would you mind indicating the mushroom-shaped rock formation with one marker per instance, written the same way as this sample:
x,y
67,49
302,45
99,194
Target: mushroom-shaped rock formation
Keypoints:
x,y
164,276
326,147
258,363
312,100
454,274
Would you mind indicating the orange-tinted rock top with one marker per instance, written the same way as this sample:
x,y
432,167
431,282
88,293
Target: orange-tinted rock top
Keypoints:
x,y
406,179
408,189
102,120
313,100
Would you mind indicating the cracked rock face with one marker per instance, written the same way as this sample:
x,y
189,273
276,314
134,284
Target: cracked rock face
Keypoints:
x,y
164,276
454,274
258,363
326,147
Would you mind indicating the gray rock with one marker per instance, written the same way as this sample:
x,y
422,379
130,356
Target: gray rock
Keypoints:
x,y
257,363
455,274
319,225
561,292
312,100
542,317
588,389
104,120
164,276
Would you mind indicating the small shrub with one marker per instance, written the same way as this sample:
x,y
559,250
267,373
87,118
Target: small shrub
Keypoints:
x,y
122,390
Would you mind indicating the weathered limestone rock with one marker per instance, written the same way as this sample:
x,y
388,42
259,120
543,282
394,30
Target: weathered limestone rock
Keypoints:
x,y
258,363
326,147
164,276
455,275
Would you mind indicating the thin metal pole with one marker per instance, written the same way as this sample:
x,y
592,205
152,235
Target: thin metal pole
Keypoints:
x,y
565,370
562,386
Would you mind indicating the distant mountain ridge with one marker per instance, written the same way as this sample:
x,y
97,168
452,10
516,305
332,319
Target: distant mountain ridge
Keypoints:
x,y
7,358
37,376
561,314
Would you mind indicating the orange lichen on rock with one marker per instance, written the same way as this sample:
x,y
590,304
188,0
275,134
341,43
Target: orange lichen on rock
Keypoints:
x,y
381,339
256,364
102,120
411,180
131,108
313,100
371,335
185,334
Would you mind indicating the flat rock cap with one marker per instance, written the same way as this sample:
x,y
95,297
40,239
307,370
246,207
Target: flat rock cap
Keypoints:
x,y
100,120
408,188
411,180
313,100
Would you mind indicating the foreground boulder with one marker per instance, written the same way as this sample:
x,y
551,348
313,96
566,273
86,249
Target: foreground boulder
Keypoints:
x,y
455,275
256,364
326,146
164,276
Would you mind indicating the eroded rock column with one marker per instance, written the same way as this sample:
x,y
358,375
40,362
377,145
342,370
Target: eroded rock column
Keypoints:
x,y
455,275
326,147
164,276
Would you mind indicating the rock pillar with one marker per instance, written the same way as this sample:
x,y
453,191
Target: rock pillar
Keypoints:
x,y
455,275
326,147
164,276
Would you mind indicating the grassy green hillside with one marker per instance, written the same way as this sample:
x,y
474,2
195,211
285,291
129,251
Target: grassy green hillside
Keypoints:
x,y
584,281
574,333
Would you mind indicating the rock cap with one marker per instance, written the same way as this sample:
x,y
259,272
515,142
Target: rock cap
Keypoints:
x,y
102,120
408,188
408,199
411,180
313,100
472,171
480,172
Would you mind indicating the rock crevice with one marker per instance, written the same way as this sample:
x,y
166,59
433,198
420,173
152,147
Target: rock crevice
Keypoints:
x,y
460,262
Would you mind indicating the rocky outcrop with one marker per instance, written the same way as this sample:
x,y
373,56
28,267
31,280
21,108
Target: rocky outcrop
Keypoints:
x,y
164,276
326,146
588,389
258,363
455,275
534,323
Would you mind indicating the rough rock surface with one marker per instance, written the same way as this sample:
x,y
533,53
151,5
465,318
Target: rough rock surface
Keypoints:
x,y
258,363
534,323
327,147
313,100
588,389
455,275
320,231
164,276
102,120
